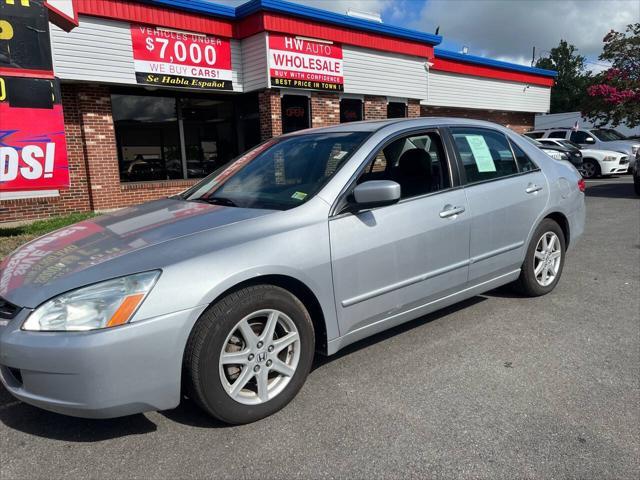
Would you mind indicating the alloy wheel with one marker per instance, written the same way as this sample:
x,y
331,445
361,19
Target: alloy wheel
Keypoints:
x,y
547,258
259,357
588,170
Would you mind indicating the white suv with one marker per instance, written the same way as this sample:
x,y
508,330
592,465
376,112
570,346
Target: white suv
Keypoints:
x,y
594,138
594,162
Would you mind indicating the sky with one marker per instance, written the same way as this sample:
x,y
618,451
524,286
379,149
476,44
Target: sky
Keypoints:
x,y
502,29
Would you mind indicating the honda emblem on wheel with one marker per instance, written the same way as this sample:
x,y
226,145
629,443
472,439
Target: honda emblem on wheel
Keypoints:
x,y
261,357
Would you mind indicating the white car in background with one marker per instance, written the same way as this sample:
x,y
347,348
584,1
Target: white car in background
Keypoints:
x,y
594,162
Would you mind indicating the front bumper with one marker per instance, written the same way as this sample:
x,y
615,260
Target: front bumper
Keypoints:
x,y
610,168
100,374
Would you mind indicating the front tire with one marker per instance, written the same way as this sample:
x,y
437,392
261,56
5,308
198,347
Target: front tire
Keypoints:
x,y
249,354
544,260
590,168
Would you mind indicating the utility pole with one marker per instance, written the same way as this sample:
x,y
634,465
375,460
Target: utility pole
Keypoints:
x,y
533,56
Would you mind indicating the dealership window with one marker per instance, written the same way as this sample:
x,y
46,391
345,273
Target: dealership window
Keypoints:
x,y
396,110
208,134
295,113
148,137
350,110
180,136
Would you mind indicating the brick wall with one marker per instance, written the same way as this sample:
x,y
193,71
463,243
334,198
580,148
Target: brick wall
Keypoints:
x,y
413,108
375,108
93,163
270,109
101,154
325,109
93,158
518,121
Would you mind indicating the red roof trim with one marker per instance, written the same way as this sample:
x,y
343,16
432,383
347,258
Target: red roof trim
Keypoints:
x,y
26,73
297,26
259,22
153,15
490,72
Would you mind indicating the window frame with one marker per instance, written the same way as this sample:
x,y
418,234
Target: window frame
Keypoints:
x,y
463,174
309,114
339,207
560,134
349,99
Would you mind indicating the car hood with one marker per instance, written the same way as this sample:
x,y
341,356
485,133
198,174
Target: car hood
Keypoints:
x,y
93,250
598,152
620,145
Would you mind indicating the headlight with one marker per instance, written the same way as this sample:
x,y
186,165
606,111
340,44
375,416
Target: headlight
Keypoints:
x,y
610,158
555,154
102,305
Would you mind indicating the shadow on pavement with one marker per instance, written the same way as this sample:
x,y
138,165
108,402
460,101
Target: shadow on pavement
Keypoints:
x,y
611,190
34,421
322,360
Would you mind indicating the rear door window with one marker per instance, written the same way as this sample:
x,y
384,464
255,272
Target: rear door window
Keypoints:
x,y
485,154
525,164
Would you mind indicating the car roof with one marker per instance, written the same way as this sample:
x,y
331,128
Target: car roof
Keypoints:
x,y
399,123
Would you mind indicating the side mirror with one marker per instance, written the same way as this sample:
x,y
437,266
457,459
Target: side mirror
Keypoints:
x,y
375,193
589,140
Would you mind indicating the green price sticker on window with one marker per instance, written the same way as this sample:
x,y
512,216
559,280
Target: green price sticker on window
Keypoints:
x,y
481,153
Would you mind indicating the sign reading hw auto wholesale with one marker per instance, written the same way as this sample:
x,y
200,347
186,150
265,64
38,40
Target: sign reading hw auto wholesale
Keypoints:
x,y
177,59
295,62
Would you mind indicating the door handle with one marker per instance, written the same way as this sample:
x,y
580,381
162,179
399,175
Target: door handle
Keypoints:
x,y
450,211
533,188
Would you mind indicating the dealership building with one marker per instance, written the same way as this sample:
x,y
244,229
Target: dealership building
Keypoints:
x,y
155,94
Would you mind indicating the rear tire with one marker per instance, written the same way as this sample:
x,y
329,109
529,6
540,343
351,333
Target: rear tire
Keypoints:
x,y
543,264
218,355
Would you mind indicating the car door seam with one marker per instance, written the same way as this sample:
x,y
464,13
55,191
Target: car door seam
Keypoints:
x,y
403,283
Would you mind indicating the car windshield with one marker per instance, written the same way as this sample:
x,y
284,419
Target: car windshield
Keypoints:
x,y
279,174
608,134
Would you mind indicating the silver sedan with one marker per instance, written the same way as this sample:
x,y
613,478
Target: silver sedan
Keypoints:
x,y
308,242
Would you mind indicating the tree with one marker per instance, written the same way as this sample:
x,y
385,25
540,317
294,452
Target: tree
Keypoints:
x,y
571,84
614,94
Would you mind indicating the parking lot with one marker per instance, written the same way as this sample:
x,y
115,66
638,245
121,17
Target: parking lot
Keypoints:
x,y
497,387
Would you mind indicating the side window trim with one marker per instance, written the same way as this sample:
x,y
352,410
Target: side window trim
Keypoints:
x,y
520,172
338,205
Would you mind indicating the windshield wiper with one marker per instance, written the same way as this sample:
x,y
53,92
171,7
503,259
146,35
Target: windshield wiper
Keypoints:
x,y
227,202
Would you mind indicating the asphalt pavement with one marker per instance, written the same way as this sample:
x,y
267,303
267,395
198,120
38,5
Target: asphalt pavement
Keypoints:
x,y
497,387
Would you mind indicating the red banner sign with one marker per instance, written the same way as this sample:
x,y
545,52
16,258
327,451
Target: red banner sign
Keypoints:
x,y
296,62
33,151
180,59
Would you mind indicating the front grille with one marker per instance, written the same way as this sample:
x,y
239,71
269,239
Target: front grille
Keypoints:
x,y
8,310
